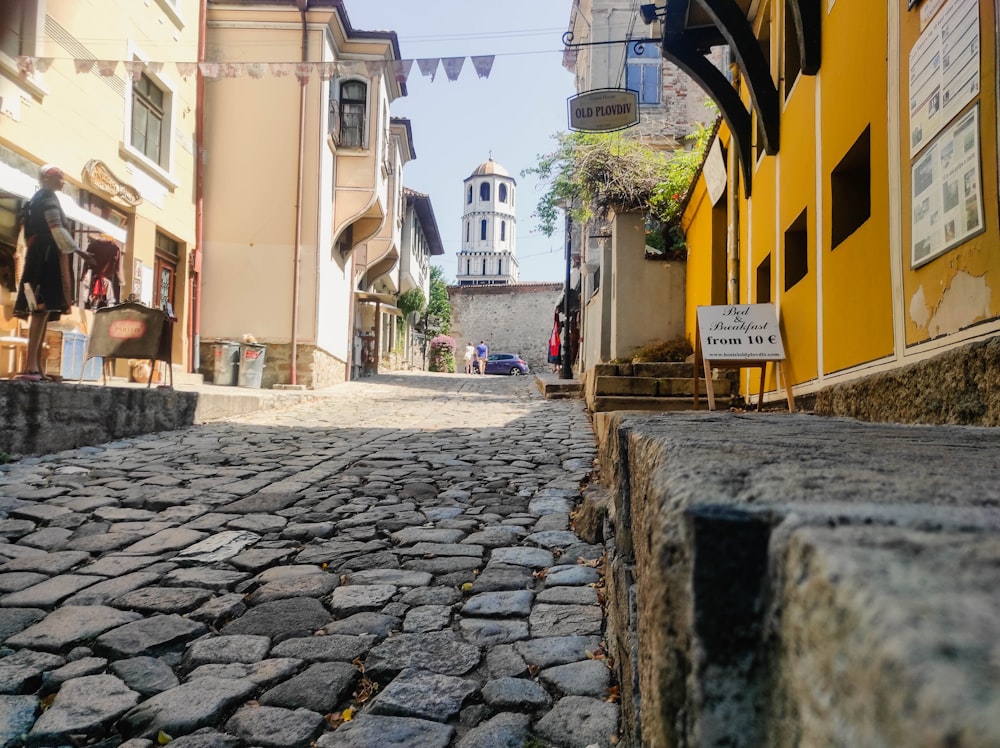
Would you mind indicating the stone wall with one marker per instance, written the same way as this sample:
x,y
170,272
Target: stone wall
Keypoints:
x,y
41,418
786,580
511,319
958,387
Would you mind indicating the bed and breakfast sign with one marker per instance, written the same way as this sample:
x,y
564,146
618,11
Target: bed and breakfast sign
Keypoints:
x,y
739,336
743,332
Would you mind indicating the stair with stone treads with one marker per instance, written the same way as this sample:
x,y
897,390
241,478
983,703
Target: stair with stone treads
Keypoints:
x,y
658,387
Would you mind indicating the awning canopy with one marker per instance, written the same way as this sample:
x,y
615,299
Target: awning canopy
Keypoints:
x,y
386,301
18,183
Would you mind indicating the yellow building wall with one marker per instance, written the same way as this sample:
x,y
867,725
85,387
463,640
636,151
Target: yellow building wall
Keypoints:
x,y
762,241
796,180
955,290
861,307
857,290
705,233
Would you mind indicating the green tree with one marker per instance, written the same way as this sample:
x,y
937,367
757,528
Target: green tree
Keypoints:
x,y
596,172
411,301
438,307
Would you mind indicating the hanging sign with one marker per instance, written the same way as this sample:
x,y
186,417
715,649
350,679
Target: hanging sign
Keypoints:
x,y
603,110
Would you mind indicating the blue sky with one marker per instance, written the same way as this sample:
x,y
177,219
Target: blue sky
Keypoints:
x,y
457,124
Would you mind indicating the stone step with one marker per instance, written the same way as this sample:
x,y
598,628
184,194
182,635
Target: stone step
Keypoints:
x,y
607,403
558,389
657,386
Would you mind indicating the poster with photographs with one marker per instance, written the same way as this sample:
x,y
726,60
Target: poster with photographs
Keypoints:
x,y
944,70
947,200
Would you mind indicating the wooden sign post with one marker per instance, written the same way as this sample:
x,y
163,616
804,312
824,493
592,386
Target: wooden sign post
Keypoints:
x,y
738,336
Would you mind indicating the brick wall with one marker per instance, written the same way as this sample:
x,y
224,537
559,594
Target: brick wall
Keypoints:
x,y
511,319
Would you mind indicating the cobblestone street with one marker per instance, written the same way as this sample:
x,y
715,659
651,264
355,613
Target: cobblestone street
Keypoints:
x,y
390,565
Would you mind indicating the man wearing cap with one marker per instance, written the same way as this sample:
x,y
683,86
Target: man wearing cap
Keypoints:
x,y
45,292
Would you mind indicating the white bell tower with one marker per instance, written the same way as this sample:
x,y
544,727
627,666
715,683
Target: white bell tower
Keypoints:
x,y
489,229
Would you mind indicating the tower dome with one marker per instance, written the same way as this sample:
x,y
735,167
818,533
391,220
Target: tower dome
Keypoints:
x,y
490,168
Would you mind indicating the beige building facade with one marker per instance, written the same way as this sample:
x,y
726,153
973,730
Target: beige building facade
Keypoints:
x,y
95,87
303,186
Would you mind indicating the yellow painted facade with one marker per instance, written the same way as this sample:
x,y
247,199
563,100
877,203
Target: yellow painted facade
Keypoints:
x,y
57,107
865,288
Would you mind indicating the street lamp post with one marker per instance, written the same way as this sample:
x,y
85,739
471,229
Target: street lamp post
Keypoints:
x,y
566,372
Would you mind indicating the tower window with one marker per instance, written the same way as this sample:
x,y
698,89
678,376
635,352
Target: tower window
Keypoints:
x,y
503,230
484,191
468,267
468,198
482,229
484,267
467,230
499,267
502,193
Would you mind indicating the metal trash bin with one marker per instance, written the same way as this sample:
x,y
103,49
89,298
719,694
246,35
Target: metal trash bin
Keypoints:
x,y
251,364
226,368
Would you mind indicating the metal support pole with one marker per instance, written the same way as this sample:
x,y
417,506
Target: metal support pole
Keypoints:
x,y
566,372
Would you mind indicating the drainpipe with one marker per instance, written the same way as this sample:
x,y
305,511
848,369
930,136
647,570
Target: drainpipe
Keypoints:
x,y
733,230
194,319
303,6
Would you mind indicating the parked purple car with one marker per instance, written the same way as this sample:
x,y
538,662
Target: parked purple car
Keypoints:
x,y
506,363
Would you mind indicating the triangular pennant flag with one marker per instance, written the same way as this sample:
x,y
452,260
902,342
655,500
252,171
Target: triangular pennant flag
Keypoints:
x,y
187,69
25,66
256,69
135,68
107,68
351,67
231,69
483,65
84,66
429,66
327,70
42,64
209,69
452,66
281,69
154,67
401,69
303,70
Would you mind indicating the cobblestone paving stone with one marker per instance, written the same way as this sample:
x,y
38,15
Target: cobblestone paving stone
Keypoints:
x,y
401,548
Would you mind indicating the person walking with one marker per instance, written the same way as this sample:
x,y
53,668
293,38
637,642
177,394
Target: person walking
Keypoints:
x,y
470,353
45,292
482,351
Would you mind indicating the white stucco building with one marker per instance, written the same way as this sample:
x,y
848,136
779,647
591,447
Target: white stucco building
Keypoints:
x,y
489,228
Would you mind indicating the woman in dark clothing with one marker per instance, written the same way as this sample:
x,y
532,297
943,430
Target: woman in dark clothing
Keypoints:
x,y
45,291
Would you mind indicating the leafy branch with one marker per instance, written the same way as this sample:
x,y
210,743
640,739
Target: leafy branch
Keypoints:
x,y
593,173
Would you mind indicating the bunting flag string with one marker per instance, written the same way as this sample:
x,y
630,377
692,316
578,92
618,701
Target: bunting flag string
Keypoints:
x,y
28,66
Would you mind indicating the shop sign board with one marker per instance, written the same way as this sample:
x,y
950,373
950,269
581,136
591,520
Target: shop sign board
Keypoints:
x,y
603,110
738,336
740,331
